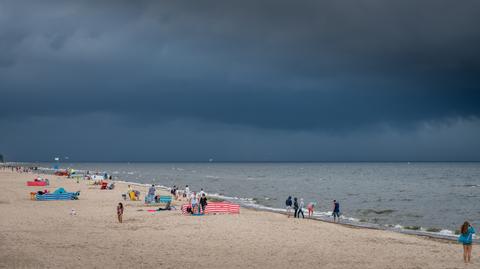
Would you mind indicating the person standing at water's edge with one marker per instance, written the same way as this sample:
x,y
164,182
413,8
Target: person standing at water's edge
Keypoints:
x,y
288,205
310,208
336,211
295,207
466,238
120,212
300,208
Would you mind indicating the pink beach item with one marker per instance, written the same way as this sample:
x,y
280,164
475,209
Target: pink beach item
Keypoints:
x,y
36,183
217,207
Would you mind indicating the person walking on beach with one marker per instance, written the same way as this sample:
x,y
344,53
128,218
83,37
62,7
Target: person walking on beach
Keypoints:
x,y
193,202
336,211
288,204
466,238
295,207
203,203
120,212
300,208
310,208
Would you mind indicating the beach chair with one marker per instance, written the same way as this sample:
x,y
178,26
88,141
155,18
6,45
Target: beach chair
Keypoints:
x,y
158,200
134,195
164,199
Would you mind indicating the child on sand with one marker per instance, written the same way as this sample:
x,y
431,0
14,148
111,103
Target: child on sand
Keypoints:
x,y
120,212
466,238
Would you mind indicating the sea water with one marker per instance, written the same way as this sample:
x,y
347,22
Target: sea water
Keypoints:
x,y
436,197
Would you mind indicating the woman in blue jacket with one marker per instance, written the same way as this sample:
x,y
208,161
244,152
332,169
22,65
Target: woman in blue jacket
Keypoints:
x,y
466,238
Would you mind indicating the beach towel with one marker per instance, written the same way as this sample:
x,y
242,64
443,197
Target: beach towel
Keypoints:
x,y
36,183
57,196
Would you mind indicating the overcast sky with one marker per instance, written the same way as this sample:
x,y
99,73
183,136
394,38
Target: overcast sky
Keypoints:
x,y
353,80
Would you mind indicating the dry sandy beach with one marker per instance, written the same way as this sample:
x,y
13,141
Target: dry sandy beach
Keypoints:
x,y
37,234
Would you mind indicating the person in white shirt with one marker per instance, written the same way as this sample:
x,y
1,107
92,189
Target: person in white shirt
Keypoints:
x,y
300,209
187,191
193,202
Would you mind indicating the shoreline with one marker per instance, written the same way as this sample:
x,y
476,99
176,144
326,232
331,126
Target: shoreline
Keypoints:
x,y
347,222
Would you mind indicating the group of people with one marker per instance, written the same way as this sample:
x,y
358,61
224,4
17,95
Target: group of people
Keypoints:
x,y
17,168
298,208
466,231
179,194
197,201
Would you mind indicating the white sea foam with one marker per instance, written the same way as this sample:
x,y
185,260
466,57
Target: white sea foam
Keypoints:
x,y
446,233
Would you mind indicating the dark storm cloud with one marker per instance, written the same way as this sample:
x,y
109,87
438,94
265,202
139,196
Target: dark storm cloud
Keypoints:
x,y
305,110
316,66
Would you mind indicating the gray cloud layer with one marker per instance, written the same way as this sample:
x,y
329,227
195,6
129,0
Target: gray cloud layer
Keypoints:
x,y
311,69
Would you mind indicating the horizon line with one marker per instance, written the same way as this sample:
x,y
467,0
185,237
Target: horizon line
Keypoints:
x,y
194,161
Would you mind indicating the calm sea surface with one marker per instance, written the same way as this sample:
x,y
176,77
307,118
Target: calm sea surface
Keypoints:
x,y
428,195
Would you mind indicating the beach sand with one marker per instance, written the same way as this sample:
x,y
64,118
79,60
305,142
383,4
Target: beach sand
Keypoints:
x,y
37,234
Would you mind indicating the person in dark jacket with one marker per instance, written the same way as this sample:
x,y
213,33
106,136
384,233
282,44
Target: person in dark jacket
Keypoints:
x,y
295,207
336,211
203,202
288,205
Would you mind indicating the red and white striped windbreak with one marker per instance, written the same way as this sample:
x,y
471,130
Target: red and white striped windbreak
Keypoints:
x,y
217,207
